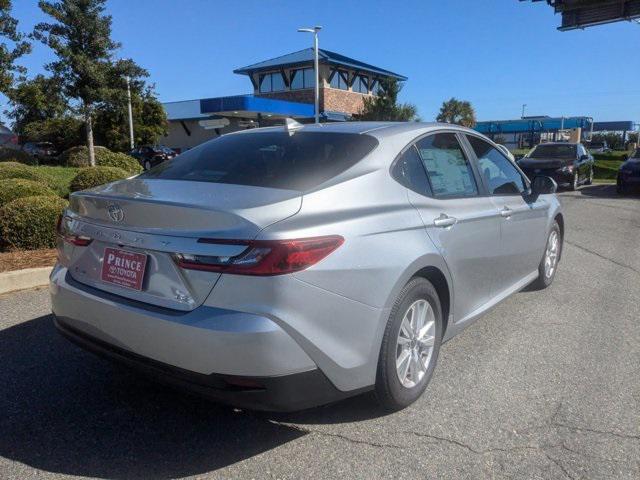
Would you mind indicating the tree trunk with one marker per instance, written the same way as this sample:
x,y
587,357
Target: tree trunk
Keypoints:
x,y
92,155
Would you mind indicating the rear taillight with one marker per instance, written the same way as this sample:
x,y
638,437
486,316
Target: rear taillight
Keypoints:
x,y
264,257
64,231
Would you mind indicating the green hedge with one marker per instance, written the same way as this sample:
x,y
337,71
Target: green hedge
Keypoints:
x,y
29,223
37,174
93,176
79,157
12,188
613,155
11,155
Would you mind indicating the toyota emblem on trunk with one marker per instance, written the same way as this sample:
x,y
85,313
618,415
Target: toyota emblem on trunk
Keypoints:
x,y
115,212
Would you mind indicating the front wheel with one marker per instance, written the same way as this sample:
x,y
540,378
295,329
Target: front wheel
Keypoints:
x,y
410,345
549,263
574,182
147,165
590,179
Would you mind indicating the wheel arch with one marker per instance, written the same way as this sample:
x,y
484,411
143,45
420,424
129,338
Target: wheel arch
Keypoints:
x,y
440,283
560,219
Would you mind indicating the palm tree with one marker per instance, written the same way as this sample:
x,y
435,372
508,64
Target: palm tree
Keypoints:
x,y
456,111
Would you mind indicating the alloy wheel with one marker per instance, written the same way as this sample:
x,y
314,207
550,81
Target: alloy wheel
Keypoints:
x,y
415,342
551,254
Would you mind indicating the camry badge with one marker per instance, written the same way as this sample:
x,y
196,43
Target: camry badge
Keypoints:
x,y
115,212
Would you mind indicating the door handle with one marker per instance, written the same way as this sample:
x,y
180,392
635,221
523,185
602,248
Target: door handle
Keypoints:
x,y
444,221
506,212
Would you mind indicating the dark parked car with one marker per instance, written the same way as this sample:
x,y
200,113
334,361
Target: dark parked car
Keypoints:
x,y
151,155
629,173
41,150
569,164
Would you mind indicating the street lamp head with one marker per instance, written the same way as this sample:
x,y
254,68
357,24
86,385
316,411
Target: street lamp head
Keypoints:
x,y
315,29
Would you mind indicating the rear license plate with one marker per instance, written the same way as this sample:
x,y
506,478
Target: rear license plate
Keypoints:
x,y
123,268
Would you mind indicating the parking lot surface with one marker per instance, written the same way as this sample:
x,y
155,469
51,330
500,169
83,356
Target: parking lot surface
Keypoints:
x,y
546,385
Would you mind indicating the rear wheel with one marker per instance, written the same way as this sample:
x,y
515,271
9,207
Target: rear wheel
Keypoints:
x,y
621,187
549,263
147,165
410,345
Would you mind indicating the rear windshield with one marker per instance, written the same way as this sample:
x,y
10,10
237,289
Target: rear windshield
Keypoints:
x,y
553,151
269,159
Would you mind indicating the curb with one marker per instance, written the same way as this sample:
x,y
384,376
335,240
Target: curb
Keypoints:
x,y
26,278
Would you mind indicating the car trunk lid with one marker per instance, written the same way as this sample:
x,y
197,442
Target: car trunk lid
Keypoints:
x,y
159,218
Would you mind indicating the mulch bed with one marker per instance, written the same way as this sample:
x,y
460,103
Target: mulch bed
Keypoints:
x,y
27,259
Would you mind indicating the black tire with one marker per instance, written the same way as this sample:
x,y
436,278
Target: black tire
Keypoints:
x,y
543,281
621,188
390,392
590,177
147,165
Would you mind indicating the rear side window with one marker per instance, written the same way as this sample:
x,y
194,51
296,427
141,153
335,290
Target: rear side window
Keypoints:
x,y
449,171
300,161
408,171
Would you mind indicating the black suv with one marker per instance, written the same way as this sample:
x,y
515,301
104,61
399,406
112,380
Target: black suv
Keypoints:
x,y
151,155
569,164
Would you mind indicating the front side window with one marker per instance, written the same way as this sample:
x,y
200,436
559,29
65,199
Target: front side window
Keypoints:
x,y
449,171
500,175
269,159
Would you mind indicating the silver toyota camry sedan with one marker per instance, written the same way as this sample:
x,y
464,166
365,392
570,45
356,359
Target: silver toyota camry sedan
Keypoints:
x,y
286,267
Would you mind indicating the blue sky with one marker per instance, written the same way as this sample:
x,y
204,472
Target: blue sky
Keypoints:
x,y
498,54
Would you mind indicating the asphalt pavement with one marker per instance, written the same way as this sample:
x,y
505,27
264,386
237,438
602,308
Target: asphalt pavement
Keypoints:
x,y
546,385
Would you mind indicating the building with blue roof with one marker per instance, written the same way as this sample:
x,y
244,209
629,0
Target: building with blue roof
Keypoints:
x,y
282,87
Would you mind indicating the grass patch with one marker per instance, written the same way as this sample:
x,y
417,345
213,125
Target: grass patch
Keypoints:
x,y
606,169
60,177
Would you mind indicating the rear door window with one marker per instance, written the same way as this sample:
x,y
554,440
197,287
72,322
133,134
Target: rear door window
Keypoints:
x,y
449,171
298,161
408,171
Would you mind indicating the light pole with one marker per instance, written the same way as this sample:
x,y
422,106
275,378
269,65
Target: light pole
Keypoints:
x,y
523,107
130,113
315,31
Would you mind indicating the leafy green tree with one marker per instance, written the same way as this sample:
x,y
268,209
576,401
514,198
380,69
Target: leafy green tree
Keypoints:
x,y
112,123
64,132
35,100
80,36
385,106
456,111
9,53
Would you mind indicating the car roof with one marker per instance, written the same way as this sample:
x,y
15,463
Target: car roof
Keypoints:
x,y
377,129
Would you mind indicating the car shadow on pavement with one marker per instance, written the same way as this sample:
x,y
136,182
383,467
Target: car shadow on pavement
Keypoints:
x,y
606,191
64,410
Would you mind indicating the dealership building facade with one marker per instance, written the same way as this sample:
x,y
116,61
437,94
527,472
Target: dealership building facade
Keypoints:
x,y
283,87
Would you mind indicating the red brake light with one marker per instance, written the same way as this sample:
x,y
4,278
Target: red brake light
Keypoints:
x,y
64,231
264,257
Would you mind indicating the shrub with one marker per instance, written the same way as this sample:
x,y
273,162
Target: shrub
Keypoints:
x,y
93,176
19,170
17,156
30,222
121,160
12,188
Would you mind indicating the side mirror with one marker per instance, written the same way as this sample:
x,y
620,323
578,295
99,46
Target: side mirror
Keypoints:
x,y
542,185
584,157
625,157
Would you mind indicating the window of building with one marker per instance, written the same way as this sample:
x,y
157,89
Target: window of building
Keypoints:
x,y
360,84
376,88
272,82
339,80
302,78
501,177
449,171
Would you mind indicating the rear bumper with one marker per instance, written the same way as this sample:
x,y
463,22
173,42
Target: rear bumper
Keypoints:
x,y
275,393
210,350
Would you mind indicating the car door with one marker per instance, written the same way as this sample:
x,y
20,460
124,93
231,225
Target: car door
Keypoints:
x,y
461,222
523,219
